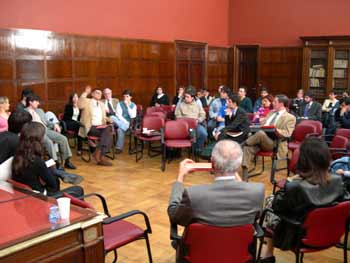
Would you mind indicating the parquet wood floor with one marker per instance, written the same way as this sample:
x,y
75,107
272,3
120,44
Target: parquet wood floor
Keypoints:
x,y
128,185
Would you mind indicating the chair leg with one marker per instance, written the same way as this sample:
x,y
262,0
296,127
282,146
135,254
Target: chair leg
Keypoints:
x,y
115,256
345,245
148,248
301,257
163,157
297,255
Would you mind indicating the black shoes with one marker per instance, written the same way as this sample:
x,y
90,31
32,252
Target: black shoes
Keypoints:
x,y
271,259
118,151
69,165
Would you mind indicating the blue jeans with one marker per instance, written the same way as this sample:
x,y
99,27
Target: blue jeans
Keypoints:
x,y
202,135
122,128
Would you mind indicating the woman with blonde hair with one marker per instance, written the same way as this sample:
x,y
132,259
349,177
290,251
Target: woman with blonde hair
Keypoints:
x,y
4,113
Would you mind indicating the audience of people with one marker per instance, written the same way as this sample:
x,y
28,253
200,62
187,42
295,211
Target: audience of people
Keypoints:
x,y
230,200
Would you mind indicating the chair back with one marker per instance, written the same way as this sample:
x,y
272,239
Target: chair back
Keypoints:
x,y
302,130
316,124
18,184
192,123
343,132
338,146
176,130
293,161
166,108
158,114
206,243
78,202
152,122
325,226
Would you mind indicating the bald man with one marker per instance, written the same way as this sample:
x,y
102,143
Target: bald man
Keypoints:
x,y
226,202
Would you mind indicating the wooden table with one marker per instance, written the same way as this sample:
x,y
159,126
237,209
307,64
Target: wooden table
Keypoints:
x,y
26,235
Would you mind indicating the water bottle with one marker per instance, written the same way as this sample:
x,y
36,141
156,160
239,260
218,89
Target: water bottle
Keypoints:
x,y
54,214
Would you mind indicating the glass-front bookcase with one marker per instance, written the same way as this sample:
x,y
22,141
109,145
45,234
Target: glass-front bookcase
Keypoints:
x,y
326,65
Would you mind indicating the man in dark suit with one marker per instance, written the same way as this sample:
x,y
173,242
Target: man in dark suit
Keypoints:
x,y
236,121
310,110
9,139
226,202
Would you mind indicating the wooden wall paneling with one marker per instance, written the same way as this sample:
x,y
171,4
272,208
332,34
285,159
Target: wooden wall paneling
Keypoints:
x,y
86,47
6,69
59,68
60,91
7,88
217,68
30,69
85,68
7,43
59,46
281,69
109,48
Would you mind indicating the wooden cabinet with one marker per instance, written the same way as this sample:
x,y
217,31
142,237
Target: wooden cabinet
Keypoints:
x,y
326,65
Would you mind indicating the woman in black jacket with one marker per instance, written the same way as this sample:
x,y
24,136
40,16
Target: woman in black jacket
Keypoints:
x,y
312,187
29,167
71,118
159,97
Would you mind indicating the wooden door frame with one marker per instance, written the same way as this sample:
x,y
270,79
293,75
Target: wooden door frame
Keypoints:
x,y
185,43
235,68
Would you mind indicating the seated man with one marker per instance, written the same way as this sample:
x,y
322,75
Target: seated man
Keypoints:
x,y
342,115
296,103
226,202
52,132
94,119
188,108
110,104
217,110
126,111
310,110
284,123
9,139
22,104
236,122
245,103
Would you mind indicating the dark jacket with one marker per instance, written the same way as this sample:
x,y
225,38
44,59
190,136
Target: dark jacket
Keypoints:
x,y
296,199
246,104
164,100
236,123
314,113
295,106
9,142
68,113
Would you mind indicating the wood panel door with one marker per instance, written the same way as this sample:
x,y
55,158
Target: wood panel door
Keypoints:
x,y
191,64
248,69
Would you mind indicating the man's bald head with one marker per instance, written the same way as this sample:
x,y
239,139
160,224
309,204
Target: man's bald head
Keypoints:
x,y
226,157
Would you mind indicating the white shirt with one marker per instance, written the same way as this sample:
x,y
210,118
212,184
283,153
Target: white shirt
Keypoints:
x,y
280,113
132,112
97,114
76,112
223,178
